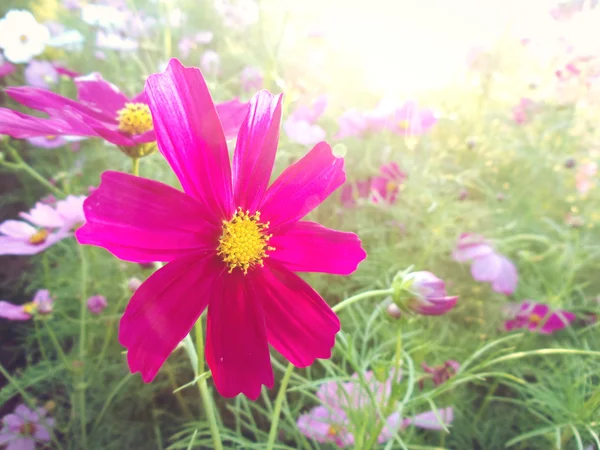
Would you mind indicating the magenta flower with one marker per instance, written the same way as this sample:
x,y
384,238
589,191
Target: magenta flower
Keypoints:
x,y
101,110
539,318
41,74
22,429
42,303
411,120
251,79
330,421
386,187
428,294
440,374
231,242
96,304
487,265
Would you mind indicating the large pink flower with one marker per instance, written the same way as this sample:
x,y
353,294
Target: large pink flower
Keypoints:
x,y
101,110
232,242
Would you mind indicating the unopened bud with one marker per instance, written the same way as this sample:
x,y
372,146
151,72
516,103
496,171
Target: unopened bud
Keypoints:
x,y
393,311
133,284
570,163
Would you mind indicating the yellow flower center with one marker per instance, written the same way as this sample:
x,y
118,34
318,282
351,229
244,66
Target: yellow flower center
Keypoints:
x,y
535,318
23,38
30,308
391,186
135,118
244,243
333,431
404,124
39,237
51,137
27,429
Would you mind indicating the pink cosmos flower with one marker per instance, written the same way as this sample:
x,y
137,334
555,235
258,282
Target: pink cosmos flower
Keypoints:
x,y
101,110
353,192
6,68
66,72
231,242
41,304
440,374
96,304
330,422
523,112
428,294
41,74
585,177
411,120
352,123
487,265
22,429
210,63
48,142
300,125
251,79
539,318
187,44
386,187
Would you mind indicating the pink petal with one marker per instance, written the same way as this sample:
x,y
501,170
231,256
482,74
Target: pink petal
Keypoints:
x,y
255,150
190,136
300,325
12,246
42,433
21,443
143,220
471,251
429,421
303,186
13,312
557,321
163,310
44,216
487,268
13,421
95,92
23,126
310,247
506,281
514,324
231,114
17,229
237,351
316,424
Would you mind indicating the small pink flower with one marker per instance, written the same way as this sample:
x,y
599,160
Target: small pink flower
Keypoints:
x,y
303,132
210,63
523,112
539,318
330,422
428,294
6,68
41,74
440,374
585,179
311,113
48,142
411,120
386,187
133,284
21,238
22,429
96,304
70,211
251,79
352,123
487,265
353,192
42,303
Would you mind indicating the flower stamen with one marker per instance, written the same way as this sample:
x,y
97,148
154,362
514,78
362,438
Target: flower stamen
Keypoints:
x,y
535,318
135,118
39,237
244,242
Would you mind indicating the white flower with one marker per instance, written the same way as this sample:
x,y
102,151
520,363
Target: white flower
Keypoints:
x,y
69,40
21,36
104,16
115,41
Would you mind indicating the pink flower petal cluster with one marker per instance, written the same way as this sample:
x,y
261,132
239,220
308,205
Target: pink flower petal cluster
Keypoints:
x,y
407,119
383,188
23,428
44,226
523,112
300,125
539,318
96,304
428,294
330,422
231,242
251,79
42,303
487,265
101,110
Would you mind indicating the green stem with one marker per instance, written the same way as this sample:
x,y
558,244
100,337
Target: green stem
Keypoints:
x,y
22,165
355,298
203,388
526,237
82,343
135,166
278,404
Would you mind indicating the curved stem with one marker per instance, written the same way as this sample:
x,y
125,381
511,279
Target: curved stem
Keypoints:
x,y
203,388
355,298
22,165
278,404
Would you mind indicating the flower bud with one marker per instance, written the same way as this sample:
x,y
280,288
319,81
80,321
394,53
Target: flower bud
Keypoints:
x,y
133,284
96,304
393,311
422,293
